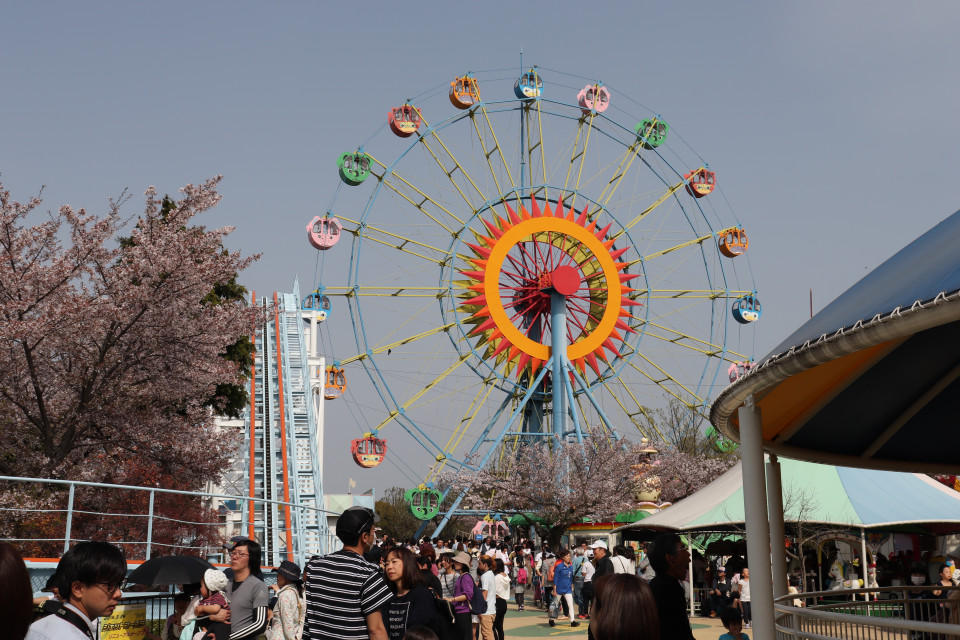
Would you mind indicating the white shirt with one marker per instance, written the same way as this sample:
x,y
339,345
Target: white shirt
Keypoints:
x,y
744,590
503,585
588,571
55,628
622,565
488,584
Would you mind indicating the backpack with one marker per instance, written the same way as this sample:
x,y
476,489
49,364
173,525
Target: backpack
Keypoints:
x,y
521,576
551,571
478,604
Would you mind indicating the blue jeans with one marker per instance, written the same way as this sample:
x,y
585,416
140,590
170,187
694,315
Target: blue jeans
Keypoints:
x,y
577,592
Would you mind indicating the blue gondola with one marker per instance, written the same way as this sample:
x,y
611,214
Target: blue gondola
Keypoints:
x,y
318,302
746,309
529,85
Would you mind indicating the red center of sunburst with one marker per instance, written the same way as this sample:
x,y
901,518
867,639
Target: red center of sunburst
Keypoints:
x,y
565,280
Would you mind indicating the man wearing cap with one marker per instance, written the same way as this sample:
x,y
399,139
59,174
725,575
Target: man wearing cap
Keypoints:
x,y
601,559
343,591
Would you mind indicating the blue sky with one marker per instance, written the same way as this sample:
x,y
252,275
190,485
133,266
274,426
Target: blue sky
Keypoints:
x,y
832,126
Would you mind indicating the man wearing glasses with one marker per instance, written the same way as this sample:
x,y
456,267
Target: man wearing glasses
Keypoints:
x,y
89,579
343,591
670,558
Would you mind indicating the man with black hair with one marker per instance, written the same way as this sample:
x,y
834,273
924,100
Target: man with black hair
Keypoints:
x,y
670,558
89,579
343,591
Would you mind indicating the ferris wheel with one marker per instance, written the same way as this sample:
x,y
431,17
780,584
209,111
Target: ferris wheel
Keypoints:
x,y
529,257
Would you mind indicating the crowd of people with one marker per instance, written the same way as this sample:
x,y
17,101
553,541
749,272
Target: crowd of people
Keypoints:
x,y
389,590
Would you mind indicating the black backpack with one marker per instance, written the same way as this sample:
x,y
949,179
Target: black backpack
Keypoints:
x,y
478,604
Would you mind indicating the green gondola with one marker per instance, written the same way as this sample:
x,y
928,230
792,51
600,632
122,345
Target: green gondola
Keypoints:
x,y
354,167
651,133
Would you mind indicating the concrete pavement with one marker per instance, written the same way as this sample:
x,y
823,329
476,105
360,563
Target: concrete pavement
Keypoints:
x,y
533,623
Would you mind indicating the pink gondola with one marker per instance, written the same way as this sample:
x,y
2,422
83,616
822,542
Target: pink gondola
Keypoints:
x,y
323,233
593,97
739,369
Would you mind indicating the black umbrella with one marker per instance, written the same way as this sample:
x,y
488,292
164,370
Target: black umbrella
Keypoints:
x,y
170,570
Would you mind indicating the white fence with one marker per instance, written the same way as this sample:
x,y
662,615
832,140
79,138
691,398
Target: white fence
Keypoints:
x,y
891,612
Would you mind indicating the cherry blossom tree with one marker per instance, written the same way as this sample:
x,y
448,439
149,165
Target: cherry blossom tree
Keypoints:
x,y
111,350
680,473
559,483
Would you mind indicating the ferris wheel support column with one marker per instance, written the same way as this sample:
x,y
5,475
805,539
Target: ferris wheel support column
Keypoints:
x,y
486,458
558,344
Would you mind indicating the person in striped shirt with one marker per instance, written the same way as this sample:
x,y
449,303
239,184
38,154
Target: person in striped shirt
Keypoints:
x,y
344,592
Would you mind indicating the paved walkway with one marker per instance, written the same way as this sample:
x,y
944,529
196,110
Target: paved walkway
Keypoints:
x,y
533,623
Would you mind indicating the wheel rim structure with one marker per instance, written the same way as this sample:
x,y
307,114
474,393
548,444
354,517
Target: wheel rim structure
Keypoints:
x,y
482,222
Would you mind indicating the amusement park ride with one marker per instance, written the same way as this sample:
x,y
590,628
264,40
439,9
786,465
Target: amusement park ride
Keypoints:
x,y
526,267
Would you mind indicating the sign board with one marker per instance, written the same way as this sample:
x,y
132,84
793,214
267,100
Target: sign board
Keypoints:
x,y
127,622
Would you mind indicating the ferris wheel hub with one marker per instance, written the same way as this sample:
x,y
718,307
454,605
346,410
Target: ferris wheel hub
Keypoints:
x,y
564,280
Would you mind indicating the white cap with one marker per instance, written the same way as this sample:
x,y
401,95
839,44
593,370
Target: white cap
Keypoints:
x,y
599,544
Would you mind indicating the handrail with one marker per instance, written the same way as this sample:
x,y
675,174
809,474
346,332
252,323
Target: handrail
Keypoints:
x,y
201,494
790,620
322,544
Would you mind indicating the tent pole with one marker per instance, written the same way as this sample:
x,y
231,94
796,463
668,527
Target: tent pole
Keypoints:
x,y
755,512
863,562
777,535
690,547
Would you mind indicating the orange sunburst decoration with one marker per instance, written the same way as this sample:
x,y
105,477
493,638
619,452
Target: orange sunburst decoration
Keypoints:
x,y
517,264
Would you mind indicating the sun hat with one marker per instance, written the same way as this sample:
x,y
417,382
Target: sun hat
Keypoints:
x,y
215,580
599,544
290,571
462,557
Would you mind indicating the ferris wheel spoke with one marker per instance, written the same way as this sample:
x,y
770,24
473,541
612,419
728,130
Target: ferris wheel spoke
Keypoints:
x,y
629,155
430,385
690,243
582,156
399,343
543,157
630,413
451,167
668,294
686,341
463,426
520,280
643,214
398,242
386,292
496,147
419,200
666,377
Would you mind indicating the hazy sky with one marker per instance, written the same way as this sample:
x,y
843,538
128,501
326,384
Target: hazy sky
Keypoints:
x,y
832,125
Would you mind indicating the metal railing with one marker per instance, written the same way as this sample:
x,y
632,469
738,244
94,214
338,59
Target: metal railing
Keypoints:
x,y
890,612
58,508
